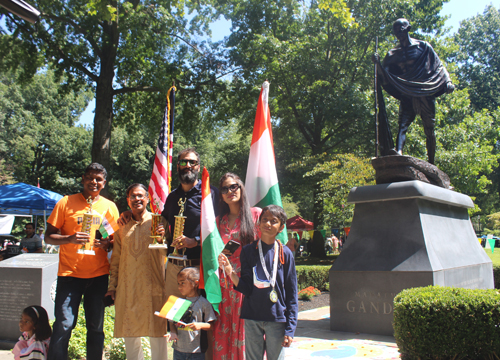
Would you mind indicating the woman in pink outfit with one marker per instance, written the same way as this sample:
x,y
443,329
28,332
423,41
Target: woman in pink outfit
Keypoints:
x,y
236,223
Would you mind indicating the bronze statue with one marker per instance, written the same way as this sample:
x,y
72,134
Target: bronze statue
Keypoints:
x,y
413,74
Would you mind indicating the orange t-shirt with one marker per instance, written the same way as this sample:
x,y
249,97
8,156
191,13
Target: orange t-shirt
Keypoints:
x,y
67,216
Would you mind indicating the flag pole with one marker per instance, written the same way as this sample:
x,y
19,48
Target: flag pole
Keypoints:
x,y
161,177
171,91
376,99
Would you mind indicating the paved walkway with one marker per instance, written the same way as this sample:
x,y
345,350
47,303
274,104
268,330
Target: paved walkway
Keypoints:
x,y
314,340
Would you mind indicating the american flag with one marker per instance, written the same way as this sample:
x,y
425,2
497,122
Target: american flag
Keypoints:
x,y
159,185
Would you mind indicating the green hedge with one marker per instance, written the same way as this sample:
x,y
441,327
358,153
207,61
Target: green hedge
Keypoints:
x,y
313,275
437,322
496,276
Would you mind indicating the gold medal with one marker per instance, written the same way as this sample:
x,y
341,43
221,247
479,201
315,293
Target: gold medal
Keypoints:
x,y
273,296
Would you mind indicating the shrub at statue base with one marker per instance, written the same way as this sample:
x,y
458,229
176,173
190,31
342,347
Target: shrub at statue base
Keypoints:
x,y
313,275
438,322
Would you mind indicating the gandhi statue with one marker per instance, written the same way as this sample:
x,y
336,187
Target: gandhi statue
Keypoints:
x,y
413,74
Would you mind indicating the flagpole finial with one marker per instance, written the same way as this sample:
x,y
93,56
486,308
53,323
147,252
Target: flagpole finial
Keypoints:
x,y
173,82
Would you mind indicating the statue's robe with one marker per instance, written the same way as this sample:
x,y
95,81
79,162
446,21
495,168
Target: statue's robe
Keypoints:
x,y
404,76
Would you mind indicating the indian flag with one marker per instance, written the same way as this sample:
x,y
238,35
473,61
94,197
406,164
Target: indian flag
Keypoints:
x,y
262,180
211,245
108,226
174,308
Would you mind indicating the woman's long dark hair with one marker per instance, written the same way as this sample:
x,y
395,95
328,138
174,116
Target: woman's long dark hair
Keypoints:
x,y
40,320
247,227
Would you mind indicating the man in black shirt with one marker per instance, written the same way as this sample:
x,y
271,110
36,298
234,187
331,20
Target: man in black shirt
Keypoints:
x,y
189,190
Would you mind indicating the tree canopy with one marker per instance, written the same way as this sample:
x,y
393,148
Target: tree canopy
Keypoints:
x,y
318,63
478,59
316,55
38,137
117,48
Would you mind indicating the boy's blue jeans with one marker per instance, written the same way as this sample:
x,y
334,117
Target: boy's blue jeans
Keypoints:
x,y
188,356
69,294
255,345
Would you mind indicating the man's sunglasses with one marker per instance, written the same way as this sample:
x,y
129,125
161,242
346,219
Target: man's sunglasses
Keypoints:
x,y
230,188
186,162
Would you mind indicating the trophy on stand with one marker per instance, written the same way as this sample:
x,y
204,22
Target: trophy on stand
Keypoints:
x,y
178,231
155,221
86,226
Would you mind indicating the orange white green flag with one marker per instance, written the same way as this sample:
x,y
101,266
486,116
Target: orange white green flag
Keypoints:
x,y
174,308
211,245
108,226
262,180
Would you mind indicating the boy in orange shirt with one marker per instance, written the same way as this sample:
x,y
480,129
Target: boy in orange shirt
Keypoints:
x,y
80,274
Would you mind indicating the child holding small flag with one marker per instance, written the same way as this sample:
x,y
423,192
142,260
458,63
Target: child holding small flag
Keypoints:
x,y
269,282
190,340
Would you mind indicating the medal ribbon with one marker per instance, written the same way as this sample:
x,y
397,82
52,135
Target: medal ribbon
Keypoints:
x,y
275,263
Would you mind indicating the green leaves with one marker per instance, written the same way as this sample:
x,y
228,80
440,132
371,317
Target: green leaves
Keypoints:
x,y
437,322
317,57
337,175
478,60
38,137
340,10
102,9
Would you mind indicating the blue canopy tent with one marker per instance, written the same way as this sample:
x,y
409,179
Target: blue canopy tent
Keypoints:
x,y
24,199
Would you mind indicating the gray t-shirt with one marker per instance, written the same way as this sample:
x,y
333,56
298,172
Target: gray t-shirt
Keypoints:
x,y
32,244
189,341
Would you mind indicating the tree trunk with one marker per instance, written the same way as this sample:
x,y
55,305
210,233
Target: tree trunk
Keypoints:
x,y
103,120
318,208
318,245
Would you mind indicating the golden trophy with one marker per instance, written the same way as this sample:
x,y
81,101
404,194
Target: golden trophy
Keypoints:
x,y
86,227
178,231
155,221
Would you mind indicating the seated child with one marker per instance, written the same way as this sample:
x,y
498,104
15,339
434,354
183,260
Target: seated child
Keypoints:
x,y
190,341
34,342
269,282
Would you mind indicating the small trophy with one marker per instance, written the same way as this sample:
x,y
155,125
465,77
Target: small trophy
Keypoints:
x,y
86,226
179,230
155,221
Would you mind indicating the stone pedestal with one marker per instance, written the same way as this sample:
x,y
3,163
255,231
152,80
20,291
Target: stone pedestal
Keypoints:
x,y
27,279
403,235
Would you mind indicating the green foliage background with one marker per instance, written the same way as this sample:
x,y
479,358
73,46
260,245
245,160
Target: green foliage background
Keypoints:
x,y
316,56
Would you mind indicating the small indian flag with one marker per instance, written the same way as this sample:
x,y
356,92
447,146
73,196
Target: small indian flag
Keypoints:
x,y
108,226
174,308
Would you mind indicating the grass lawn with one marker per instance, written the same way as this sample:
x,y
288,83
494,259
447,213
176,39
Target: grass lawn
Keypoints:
x,y
495,257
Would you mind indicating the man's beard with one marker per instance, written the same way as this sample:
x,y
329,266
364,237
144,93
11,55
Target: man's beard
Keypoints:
x,y
187,176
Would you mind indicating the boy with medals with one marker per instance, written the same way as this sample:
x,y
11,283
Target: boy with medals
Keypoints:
x,y
269,282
